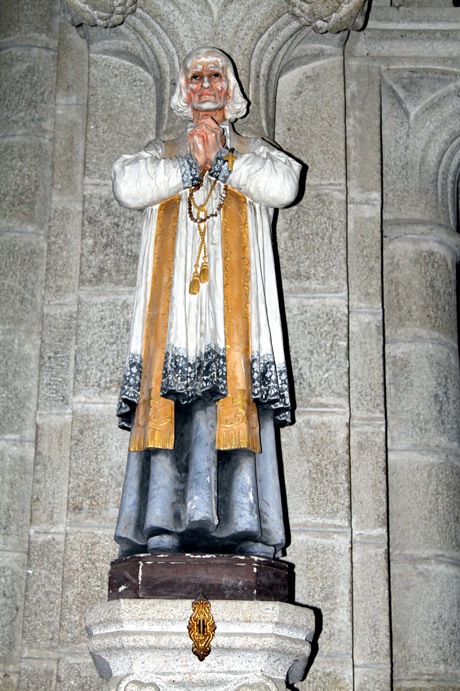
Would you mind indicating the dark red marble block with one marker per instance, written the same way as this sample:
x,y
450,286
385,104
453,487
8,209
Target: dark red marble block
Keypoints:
x,y
217,576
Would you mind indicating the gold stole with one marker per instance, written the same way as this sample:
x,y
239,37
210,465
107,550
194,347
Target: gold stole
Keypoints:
x,y
237,418
154,420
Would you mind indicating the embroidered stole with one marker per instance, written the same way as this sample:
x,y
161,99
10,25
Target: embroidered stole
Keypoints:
x,y
237,418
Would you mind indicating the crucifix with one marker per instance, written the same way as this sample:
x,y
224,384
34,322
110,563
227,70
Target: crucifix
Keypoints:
x,y
230,157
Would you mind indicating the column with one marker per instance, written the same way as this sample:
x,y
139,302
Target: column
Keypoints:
x,y
28,43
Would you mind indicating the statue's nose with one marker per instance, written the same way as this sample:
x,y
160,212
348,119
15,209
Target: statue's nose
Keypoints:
x,y
205,81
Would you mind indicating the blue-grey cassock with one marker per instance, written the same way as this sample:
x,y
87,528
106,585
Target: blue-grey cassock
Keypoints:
x,y
202,472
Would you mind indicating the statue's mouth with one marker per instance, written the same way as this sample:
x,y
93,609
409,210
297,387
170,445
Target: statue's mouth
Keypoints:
x,y
208,96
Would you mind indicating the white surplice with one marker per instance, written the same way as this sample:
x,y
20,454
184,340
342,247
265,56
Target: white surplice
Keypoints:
x,y
194,365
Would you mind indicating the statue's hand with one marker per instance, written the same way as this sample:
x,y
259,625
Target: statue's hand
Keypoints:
x,y
197,145
213,135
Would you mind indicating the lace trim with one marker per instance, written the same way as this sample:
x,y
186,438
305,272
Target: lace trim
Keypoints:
x,y
189,170
186,379
129,391
219,168
270,386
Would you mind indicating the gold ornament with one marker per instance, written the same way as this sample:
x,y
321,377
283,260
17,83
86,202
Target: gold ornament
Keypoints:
x,y
194,287
201,627
204,272
230,157
200,220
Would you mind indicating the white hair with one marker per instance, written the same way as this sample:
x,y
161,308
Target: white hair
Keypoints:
x,y
236,105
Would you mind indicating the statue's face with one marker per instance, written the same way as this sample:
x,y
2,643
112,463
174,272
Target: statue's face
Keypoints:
x,y
206,84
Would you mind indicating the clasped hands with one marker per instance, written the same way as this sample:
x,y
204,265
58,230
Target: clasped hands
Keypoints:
x,y
205,140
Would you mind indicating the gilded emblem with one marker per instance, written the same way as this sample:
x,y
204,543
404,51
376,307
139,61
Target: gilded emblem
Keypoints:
x,y
201,627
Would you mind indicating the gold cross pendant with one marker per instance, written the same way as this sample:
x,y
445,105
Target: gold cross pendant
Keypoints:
x,y
230,157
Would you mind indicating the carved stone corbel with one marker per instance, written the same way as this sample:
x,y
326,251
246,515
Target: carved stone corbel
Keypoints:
x,y
103,13
329,15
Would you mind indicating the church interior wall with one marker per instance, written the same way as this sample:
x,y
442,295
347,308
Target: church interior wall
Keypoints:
x,y
367,264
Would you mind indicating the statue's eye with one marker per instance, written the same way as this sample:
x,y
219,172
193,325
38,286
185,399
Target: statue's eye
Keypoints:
x,y
194,77
217,75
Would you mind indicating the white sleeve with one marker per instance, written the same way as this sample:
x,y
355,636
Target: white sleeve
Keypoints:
x,y
146,179
266,175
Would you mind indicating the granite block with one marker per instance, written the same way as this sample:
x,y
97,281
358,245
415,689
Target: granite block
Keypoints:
x,y
63,253
9,681
87,560
112,233
57,359
375,679
420,290
312,243
432,481
364,256
38,675
27,79
329,674
316,469
25,178
21,280
310,118
318,349
371,615
425,604
97,465
423,396
49,496
72,67
18,374
101,345
323,580
418,111
16,469
37,22
368,479
363,131
366,366
12,580
78,673
69,153
431,685
117,125
42,605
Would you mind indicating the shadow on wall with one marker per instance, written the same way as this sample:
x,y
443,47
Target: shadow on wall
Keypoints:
x,y
287,352
314,642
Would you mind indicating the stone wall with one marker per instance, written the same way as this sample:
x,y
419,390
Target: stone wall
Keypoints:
x,y
368,269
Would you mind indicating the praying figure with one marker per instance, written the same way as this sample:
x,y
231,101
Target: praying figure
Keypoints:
x,y
205,379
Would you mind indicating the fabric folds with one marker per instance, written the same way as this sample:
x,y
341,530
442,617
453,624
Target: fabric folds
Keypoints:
x,y
205,377
196,497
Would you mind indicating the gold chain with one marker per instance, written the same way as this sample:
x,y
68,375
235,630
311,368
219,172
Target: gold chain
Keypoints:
x,y
203,276
202,207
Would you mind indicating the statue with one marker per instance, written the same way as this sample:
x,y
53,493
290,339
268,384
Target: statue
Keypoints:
x,y
205,379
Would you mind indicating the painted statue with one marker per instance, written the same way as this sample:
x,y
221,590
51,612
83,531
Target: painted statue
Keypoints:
x,y
205,379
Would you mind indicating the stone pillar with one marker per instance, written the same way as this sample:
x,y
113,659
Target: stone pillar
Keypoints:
x,y
421,246
312,243
28,41
371,616
119,116
41,634
408,57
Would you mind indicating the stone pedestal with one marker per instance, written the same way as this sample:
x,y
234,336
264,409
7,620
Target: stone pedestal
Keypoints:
x,y
143,645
